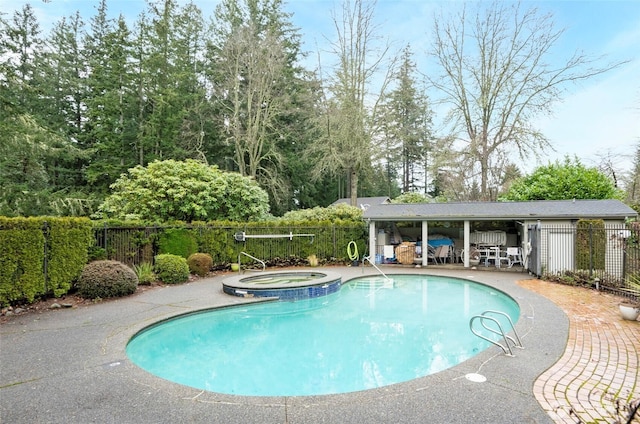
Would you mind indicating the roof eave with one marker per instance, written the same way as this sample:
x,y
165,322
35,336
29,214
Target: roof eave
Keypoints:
x,y
490,217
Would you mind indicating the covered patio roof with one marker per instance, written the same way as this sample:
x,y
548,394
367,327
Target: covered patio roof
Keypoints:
x,y
491,211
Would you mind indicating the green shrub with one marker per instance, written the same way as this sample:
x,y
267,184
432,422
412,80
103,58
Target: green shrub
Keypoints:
x,y
218,242
200,263
178,241
171,269
96,253
102,279
145,273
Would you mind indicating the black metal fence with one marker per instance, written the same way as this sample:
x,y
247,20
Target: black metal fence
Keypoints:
x,y
134,246
607,256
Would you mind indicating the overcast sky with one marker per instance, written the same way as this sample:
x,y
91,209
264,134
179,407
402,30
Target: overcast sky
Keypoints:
x,y
596,117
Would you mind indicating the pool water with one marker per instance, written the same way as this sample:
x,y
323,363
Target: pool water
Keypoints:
x,y
371,333
283,278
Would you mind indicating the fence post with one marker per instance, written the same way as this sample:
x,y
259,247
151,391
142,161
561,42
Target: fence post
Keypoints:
x,y
104,238
334,242
624,260
590,250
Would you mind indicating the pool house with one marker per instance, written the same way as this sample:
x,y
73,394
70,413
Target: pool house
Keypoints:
x,y
539,236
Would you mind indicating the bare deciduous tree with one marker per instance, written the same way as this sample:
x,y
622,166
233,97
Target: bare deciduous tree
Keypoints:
x,y
498,73
250,66
254,80
346,142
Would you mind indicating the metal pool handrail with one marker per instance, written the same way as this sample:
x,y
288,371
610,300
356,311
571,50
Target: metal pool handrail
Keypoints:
x,y
264,265
368,258
506,348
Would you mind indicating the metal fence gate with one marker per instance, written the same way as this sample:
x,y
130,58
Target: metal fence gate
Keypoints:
x,y
608,254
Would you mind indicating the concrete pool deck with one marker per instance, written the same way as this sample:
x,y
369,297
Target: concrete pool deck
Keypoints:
x,y
70,366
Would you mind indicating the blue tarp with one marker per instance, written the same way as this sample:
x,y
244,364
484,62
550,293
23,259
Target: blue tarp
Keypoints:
x,y
440,242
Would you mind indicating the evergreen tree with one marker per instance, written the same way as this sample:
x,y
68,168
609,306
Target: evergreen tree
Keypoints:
x,y
161,121
21,43
110,131
197,132
38,159
61,77
406,119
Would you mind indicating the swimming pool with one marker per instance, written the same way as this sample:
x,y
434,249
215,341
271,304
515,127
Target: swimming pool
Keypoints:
x,y
372,333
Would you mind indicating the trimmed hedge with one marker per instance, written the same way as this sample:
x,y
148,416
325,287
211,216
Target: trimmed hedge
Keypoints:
x,y
22,242
31,246
26,273
69,241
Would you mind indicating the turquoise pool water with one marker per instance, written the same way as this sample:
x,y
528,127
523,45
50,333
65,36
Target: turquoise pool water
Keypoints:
x,y
371,333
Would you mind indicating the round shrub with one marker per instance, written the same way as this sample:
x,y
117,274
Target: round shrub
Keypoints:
x,y
102,279
171,269
200,263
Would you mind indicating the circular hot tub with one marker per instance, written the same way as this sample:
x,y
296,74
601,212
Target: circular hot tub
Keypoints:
x,y
285,285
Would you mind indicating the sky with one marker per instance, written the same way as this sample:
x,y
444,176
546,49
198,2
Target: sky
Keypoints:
x,y
598,117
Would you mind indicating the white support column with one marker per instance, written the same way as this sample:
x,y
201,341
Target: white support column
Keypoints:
x,y
525,244
524,239
467,245
372,241
425,245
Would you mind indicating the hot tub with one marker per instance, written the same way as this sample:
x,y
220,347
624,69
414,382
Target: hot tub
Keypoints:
x,y
285,285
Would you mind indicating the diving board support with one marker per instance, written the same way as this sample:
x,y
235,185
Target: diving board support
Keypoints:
x,y
485,316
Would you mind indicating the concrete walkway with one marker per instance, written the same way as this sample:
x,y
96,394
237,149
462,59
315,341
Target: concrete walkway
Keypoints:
x,y
70,366
597,377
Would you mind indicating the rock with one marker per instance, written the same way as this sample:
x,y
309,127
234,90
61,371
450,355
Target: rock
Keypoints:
x,y
55,306
18,310
67,305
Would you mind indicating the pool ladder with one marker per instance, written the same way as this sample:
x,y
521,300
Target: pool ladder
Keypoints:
x,y
483,318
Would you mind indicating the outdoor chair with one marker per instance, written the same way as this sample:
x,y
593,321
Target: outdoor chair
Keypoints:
x,y
442,253
492,254
503,256
514,254
431,253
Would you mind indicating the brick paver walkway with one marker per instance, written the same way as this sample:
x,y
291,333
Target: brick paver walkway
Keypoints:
x,y
596,379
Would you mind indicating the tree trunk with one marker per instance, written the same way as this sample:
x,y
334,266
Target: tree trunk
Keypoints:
x,y
353,180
